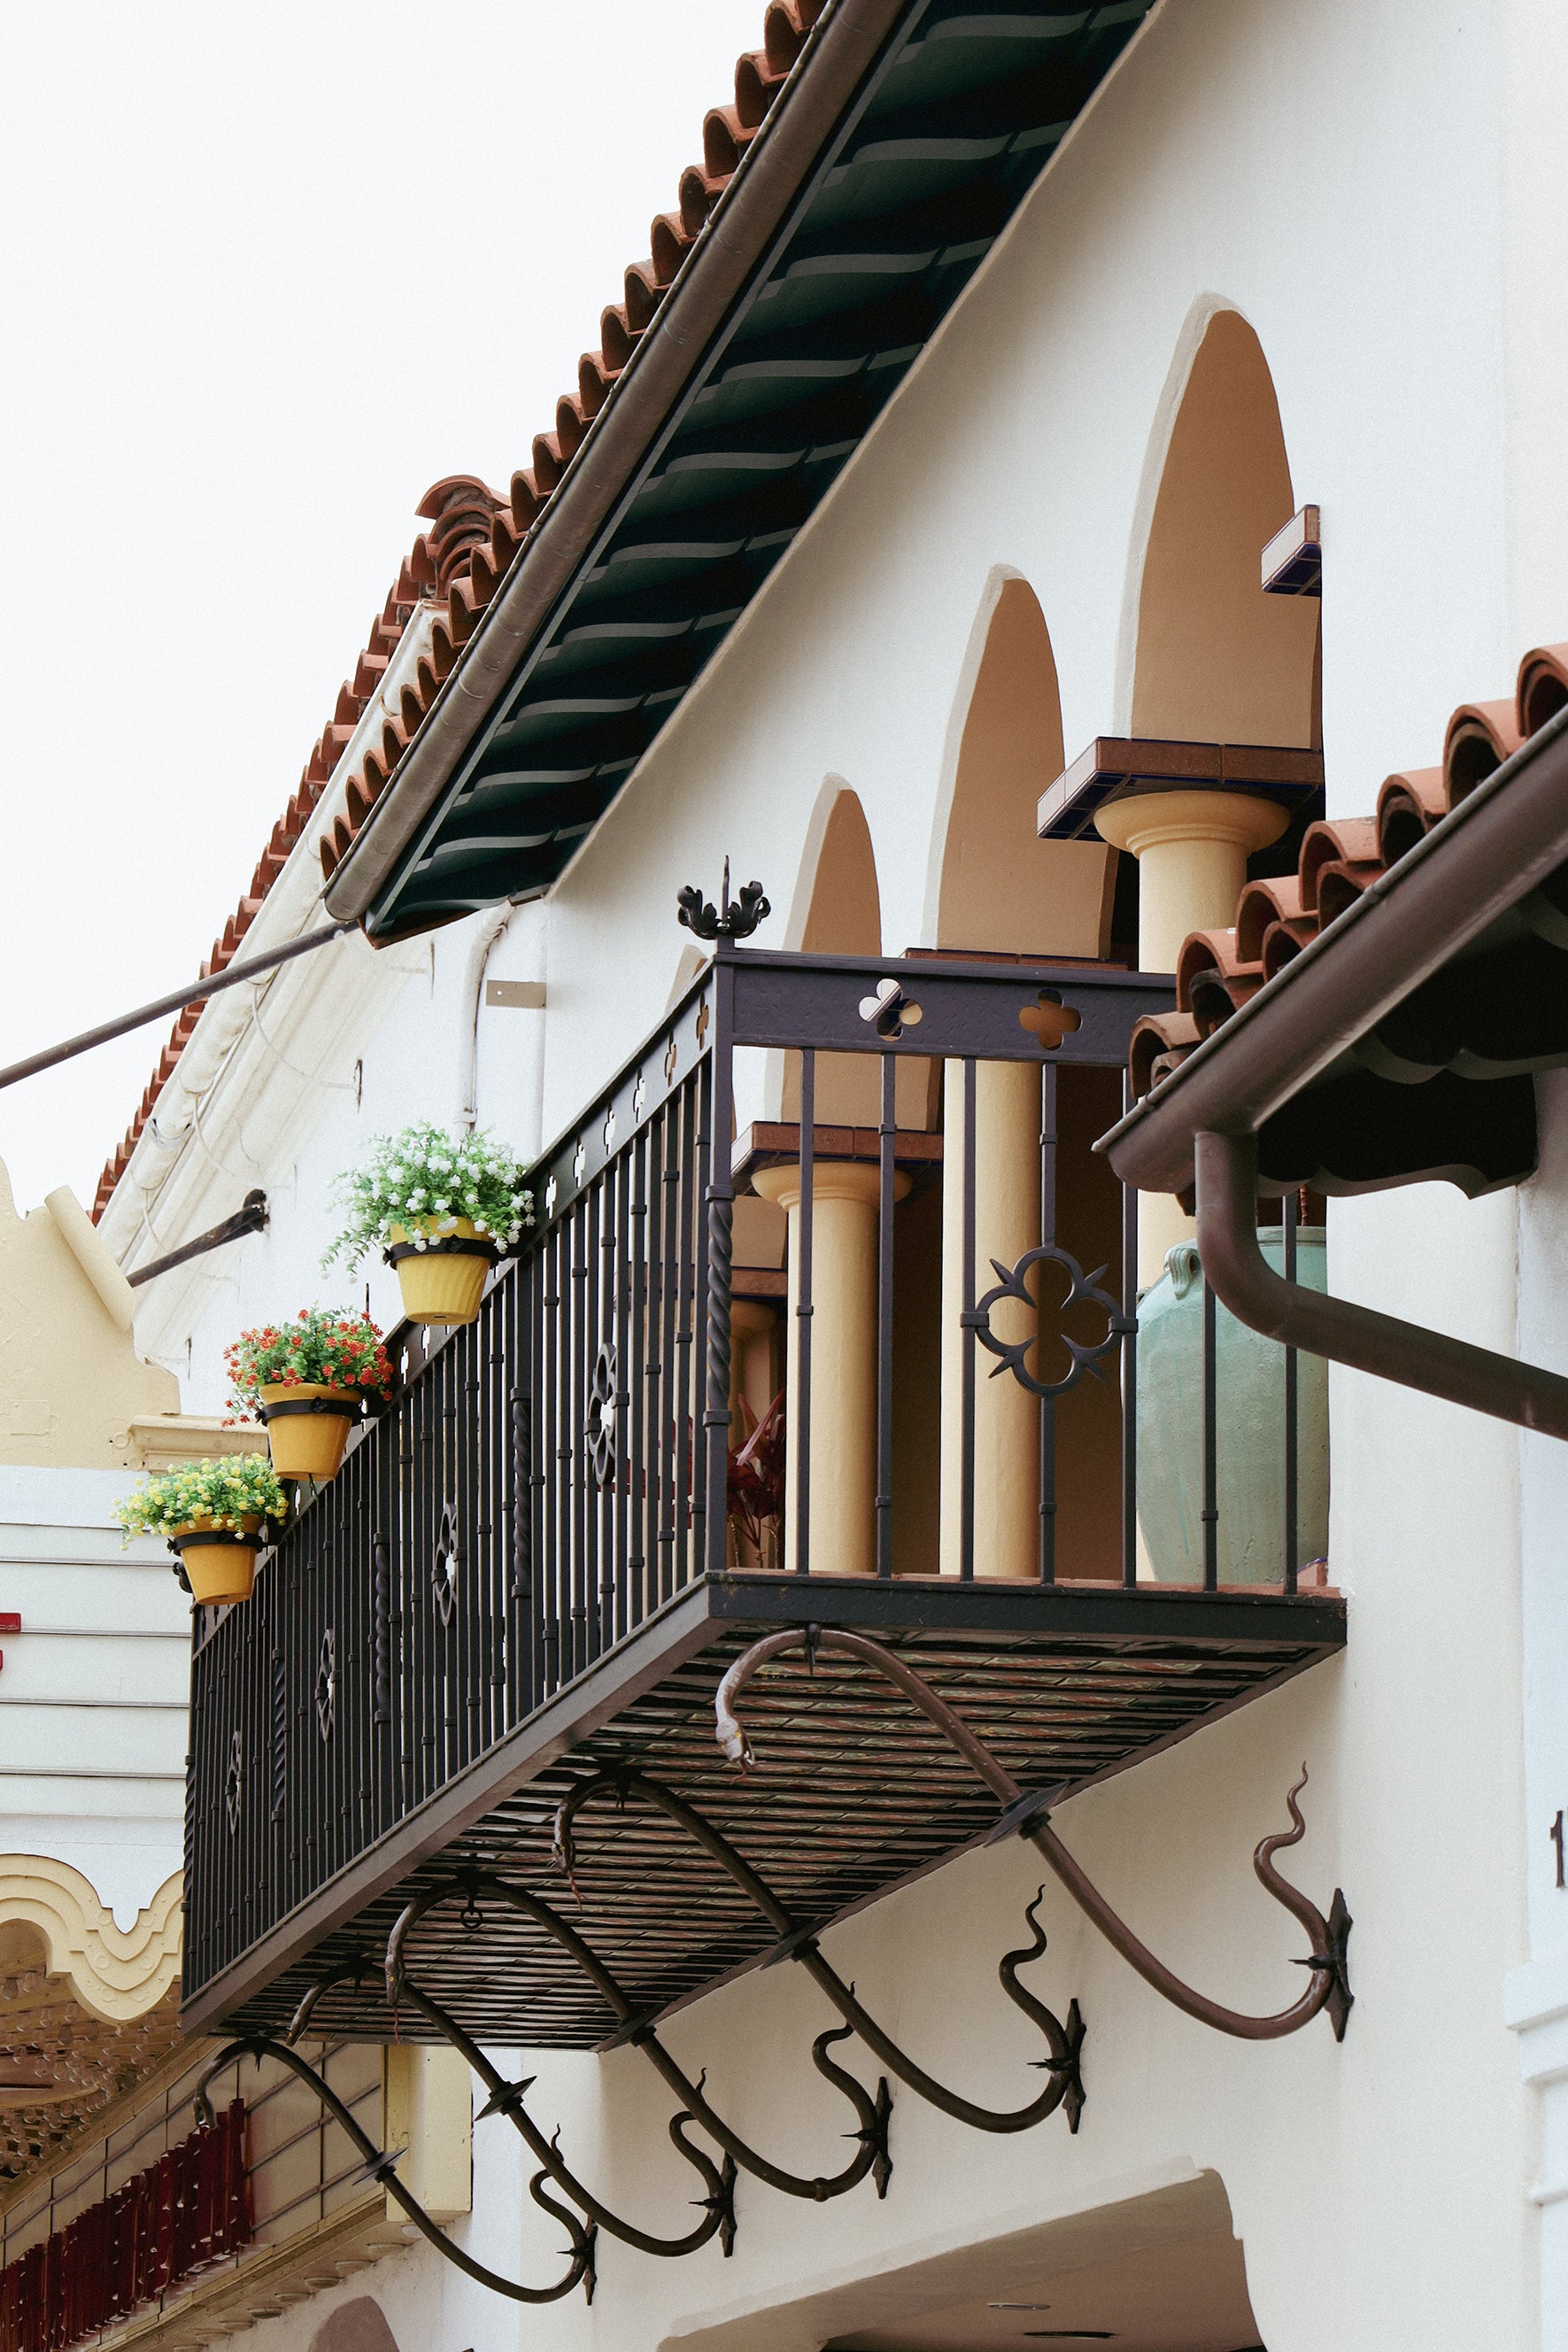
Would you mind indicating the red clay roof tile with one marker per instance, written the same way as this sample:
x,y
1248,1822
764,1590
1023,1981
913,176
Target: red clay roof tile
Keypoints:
x,y
1218,971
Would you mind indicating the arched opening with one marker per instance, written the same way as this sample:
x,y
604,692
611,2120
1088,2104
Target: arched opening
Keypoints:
x,y
1001,887
1002,890
1217,660
357,2326
838,912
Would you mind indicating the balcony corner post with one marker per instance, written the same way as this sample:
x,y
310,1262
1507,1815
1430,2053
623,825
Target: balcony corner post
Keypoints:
x,y
720,1198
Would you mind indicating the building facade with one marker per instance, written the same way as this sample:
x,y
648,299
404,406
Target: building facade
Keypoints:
x,y
1123,440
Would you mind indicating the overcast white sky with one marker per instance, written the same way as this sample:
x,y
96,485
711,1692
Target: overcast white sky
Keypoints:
x,y
268,273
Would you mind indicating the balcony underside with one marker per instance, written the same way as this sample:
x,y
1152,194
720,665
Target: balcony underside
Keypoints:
x,y
852,1795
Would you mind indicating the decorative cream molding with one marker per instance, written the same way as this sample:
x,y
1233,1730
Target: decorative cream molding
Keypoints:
x,y
118,1973
159,1441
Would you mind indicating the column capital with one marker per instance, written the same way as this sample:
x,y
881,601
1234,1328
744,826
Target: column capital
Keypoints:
x,y
1238,821
831,1179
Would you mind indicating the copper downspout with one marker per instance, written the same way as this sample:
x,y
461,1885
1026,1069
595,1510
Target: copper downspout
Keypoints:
x,y
1226,1168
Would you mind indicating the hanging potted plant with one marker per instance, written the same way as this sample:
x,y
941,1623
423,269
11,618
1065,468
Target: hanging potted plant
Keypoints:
x,y
439,1207
214,1515
309,1382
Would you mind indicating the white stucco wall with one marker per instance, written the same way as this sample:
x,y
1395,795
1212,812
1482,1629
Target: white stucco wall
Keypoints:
x,y
1369,184
94,1690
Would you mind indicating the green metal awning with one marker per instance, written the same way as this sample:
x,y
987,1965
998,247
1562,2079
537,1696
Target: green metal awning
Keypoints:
x,y
955,119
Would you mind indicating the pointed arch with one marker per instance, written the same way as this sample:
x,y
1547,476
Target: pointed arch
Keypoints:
x,y
836,909
996,885
1215,659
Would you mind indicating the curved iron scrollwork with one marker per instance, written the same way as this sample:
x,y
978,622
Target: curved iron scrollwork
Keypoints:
x,y
1064,2086
1081,1286
327,1685
1027,1815
381,2165
507,2099
444,1566
234,1784
637,2028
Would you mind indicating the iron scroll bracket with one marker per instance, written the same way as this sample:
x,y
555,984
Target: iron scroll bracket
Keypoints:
x,y
1064,2041
381,2165
634,2027
1329,1987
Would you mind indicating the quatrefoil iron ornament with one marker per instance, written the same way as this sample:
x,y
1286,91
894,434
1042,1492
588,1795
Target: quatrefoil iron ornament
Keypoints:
x,y
601,1425
890,1012
672,1057
1049,1020
1081,1286
443,1567
638,1097
702,1021
579,1160
551,1189
610,1128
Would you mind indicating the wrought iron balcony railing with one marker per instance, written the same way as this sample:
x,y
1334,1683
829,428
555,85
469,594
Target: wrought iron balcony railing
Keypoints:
x,y
830,1316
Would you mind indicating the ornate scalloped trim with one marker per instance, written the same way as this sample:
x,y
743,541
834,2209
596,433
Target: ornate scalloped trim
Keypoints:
x,y
118,1973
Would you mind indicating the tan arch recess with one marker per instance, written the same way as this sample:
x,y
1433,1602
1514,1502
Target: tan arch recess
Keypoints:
x,y
1003,890
357,2326
1001,887
117,1973
838,911
1216,660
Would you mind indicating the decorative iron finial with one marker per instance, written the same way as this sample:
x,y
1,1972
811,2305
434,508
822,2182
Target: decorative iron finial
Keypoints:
x,y
731,918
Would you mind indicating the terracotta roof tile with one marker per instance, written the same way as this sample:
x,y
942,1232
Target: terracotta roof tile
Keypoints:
x,y
1480,737
1543,687
1408,806
1217,971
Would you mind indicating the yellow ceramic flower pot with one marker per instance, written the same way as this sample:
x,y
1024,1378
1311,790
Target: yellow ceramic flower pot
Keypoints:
x,y
219,1563
443,1281
308,1428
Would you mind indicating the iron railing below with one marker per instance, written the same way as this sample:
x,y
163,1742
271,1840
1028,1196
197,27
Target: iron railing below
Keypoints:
x,y
559,1471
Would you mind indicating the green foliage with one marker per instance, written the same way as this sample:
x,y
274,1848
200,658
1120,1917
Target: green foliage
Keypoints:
x,y
424,1181
232,1487
324,1347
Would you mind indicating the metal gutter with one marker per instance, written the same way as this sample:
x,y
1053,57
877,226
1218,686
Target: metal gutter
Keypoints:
x,y
1200,1125
840,50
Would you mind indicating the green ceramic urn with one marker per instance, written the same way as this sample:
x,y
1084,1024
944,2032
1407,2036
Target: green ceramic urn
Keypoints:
x,y
1251,1423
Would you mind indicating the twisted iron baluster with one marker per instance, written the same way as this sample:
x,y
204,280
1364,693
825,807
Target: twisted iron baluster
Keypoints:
x,y
382,2166
1329,1984
1064,2087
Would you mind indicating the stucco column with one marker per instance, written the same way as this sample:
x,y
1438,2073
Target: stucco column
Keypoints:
x,y
842,1504
1007,1224
1192,850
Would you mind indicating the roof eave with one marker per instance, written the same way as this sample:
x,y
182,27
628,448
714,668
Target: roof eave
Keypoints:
x,y
734,246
